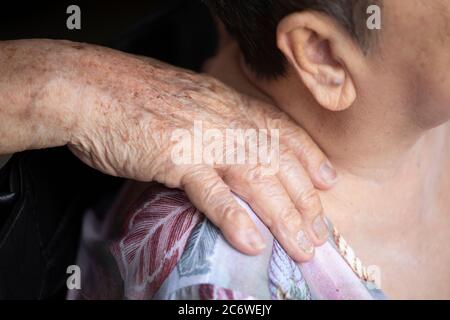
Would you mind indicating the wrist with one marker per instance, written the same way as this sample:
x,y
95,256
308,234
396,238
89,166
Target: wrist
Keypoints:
x,y
55,97
63,92
32,111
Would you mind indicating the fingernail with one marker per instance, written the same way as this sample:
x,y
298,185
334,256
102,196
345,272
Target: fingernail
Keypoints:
x,y
320,227
327,172
304,243
255,240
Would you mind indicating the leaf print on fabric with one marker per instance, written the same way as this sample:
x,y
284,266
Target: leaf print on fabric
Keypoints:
x,y
195,259
285,279
155,235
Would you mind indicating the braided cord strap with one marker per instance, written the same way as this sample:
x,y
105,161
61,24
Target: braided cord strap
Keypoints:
x,y
350,257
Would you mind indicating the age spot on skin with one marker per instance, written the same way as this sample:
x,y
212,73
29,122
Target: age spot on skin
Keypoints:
x,y
78,47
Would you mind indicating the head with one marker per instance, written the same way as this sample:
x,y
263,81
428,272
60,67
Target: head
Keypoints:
x,y
326,48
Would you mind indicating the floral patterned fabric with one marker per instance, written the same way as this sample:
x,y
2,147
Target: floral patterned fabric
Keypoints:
x,y
168,250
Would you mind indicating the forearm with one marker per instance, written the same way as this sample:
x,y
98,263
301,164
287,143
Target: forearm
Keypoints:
x,y
53,91
32,114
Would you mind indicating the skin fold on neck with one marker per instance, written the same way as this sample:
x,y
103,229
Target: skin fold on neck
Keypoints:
x,y
391,199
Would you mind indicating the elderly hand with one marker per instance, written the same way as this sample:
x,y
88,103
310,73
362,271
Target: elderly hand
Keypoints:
x,y
125,112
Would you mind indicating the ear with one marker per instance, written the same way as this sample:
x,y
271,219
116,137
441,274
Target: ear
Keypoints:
x,y
317,48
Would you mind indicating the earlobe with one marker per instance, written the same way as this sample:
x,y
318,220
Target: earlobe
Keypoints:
x,y
306,45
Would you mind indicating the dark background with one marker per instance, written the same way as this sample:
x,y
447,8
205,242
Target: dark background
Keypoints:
x,y
101,21
179,32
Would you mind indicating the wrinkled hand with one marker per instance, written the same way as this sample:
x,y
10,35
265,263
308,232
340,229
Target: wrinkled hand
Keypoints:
x,y
128,109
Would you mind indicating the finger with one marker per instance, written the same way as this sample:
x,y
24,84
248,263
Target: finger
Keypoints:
x,y
213,197
269,200
319,168
298,185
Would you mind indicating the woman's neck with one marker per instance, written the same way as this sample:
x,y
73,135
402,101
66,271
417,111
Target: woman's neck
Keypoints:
x,y
370,139
391,199
382,159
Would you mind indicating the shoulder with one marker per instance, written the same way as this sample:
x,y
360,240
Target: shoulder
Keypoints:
x,y
155,231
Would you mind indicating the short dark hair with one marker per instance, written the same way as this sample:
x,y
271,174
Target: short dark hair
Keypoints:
x,y
254,22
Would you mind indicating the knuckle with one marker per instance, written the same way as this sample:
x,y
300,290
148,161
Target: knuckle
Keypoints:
x,y
227,213
291,168
293,132
191,174
274,123
308,202
214,190
254,175
286,154
307,150
288,215
268,188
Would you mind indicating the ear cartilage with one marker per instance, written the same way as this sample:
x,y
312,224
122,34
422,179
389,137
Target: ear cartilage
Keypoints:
x,y
337,82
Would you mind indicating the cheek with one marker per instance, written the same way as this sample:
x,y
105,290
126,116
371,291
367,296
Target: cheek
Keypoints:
x,y
435,62
424,68
433,108
417,35
434,88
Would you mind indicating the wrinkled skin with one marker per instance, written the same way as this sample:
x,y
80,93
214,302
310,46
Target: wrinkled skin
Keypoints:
x,y
117,113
